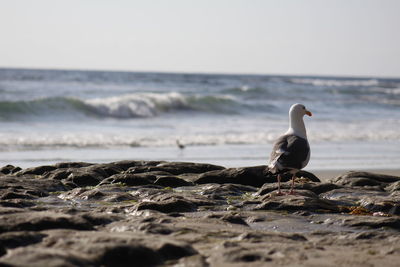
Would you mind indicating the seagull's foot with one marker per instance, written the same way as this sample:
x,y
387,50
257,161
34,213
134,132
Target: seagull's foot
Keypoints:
x,y
292,192
280,193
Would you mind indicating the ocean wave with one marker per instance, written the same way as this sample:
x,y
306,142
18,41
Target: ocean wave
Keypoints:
x,y
124,106
335,82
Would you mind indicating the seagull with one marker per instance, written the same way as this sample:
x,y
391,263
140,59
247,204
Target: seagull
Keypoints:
x,y
291,151
179,144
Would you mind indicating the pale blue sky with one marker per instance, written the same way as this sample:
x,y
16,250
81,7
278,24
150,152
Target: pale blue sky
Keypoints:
x,y
341,37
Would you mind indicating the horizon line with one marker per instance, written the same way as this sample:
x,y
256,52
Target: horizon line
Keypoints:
x,y
360,76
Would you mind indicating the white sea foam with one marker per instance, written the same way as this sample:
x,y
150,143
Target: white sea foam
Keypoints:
x,y
13,141
335,82
137,105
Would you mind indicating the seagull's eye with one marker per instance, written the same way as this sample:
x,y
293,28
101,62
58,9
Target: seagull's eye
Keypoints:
x,y
304,107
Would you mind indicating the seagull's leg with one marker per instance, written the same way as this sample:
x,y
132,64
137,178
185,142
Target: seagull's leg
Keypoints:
x,y
292,192
279,185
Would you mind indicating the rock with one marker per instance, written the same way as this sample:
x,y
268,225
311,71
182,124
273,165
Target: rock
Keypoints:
x,y
125,255
176,168
67,248
9,169
13,195
29,187
130,179
33,256
317,188
58,174
157,213
373,222
193,261
36,170
354,178
126,164
303,200
63,165
171,205
20,239
171,181
242,255
253,176
38,221
393,187
234,218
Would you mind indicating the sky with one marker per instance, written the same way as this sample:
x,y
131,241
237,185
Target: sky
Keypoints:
x,y
289,37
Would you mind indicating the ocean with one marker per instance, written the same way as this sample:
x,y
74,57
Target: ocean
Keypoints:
x,y
49,116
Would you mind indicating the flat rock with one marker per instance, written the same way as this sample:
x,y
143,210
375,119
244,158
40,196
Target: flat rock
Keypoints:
x,y
253,176
356,178
302,200
38,221
168,206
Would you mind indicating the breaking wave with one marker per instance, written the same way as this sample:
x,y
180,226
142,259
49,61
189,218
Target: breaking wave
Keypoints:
x,y
124,106
335,82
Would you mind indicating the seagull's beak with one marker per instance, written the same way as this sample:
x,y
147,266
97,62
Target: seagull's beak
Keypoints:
x,y
308,113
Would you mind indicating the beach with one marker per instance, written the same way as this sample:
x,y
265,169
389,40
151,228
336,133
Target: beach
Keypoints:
x,y
91,173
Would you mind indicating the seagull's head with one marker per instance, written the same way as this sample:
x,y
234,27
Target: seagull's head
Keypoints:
x,y
298,110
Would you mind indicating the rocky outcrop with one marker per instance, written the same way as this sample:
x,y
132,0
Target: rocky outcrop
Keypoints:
x,y
149,213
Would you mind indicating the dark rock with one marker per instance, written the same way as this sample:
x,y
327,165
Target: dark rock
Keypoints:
x,y
172,181
354,178
72,165
16,203
253,176
171,205
20,239
36,256
176,168
9,169
38,221
126,255
242,255
13,195
100,218
303,200
126,164
130,179
3,251
234,218
58,174
33,187
374,222
84,178
107,168
317,188
155,228
36,170
171,251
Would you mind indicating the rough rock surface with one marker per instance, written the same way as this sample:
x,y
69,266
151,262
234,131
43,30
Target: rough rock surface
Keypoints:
x,y
154,213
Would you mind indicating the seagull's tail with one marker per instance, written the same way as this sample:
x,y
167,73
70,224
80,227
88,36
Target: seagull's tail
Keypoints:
x,y
272,166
